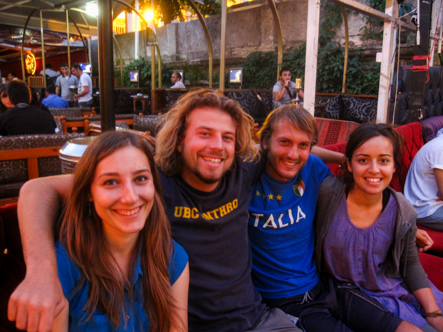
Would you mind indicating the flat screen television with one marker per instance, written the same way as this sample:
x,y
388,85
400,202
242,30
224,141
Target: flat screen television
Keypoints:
x,y
236,76
86,67
133,76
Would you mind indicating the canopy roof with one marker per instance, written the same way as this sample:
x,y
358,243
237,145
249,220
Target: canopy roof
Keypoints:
x,y
13,17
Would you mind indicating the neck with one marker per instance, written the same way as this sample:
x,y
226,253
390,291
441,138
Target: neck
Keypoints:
x,y
365,200
122,249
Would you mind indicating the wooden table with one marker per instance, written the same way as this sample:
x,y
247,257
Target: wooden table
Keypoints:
x,y
142,99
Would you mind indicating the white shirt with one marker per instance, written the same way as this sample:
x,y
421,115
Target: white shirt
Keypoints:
x,y
421,187
178,85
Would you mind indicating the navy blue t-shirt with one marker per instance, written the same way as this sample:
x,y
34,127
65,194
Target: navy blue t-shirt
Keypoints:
x,y
212,228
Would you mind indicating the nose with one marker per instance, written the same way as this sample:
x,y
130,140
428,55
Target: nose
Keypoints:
x,y
374,168
129,194
293,152
216,142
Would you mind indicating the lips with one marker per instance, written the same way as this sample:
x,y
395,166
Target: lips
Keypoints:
x,y
212,160
128,212
373,180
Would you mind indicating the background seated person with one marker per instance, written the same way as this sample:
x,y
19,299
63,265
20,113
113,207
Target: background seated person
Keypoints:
x,y
284,90
52,100
5,102
424,184
138,279
24,119
176,81
366,231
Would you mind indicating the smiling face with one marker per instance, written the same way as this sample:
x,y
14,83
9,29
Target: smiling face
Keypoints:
x,y
208,147
123,192
287,151
372,166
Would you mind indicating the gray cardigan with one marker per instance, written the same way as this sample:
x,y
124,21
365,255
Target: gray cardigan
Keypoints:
x,y
402,261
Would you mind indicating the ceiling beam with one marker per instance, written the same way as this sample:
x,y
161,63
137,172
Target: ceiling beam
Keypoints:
x,y
48,24
364,9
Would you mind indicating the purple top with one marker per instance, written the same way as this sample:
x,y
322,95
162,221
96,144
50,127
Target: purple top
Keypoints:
x,y
362,253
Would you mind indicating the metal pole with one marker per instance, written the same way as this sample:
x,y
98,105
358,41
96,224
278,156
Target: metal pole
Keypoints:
x,y
106,64
153,56
279,36
67,39
345,66
120,57
208,38
23,43
224,19
43,49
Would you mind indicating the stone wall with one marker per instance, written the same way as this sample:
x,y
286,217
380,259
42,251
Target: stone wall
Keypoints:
x,y
248,30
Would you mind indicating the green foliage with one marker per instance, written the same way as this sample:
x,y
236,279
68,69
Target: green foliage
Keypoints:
x,y
169,10
259,70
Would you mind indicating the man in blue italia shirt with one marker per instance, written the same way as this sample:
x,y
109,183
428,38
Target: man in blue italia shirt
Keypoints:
x,y
281,232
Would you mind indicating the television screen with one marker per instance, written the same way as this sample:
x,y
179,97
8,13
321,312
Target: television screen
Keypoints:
x,y
236,76
133,76
86,67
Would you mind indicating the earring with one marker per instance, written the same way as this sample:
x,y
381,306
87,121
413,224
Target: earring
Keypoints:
x,y
90,209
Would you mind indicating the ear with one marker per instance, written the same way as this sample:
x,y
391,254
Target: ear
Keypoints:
x,y
180,146
348,163
266,142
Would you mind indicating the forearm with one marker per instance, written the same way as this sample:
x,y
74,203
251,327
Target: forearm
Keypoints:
x,y
57,91
37,210
328,156
426,299
439,178
84,92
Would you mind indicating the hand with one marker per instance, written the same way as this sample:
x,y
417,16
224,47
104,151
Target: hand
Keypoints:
x,y
423,240
287,83
36,301
75,98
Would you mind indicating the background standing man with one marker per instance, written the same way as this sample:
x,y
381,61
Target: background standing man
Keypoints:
x,y
284,90
176,81
64,82
84,95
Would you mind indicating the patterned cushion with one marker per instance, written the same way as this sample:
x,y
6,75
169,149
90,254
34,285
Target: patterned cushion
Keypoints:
x,y
361,110
430,127
334,131
251,104
150,123
73,112
12,171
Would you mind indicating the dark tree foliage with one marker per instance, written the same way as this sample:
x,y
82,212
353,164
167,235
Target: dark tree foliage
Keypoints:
x,y
169,10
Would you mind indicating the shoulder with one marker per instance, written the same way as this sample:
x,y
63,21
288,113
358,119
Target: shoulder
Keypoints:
x,y
405,207
178,261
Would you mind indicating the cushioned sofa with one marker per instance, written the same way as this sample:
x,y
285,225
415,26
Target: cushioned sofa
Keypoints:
x,y
28,156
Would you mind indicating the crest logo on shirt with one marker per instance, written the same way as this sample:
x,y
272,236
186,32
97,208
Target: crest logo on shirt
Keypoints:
x,y
299,188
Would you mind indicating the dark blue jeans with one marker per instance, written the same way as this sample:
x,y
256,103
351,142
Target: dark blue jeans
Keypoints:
x,y
331,306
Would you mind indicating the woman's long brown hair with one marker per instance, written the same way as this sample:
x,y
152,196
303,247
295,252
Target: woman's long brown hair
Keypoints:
x,y
84,239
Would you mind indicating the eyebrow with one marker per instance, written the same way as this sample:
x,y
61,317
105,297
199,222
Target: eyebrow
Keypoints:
x,y
117,174
380,155
211,129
